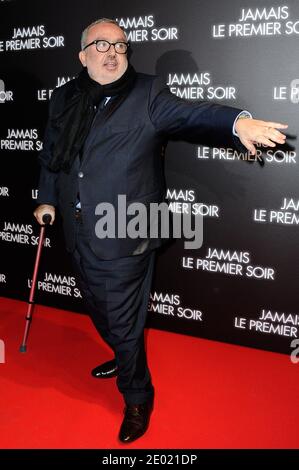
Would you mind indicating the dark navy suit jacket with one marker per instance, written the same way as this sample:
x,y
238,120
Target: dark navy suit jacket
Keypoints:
x,y
123,155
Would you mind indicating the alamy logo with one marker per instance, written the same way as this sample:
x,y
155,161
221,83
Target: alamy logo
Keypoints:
x,y
148,221
2,91
294,91
5,95
295,352
2,352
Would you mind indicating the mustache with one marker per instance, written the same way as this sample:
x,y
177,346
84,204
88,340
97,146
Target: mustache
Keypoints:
x,y
111,59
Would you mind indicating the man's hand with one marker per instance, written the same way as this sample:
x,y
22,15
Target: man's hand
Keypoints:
x,y
253,132
42,210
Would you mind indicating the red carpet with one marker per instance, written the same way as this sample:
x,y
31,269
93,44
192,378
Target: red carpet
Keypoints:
x,y
208,394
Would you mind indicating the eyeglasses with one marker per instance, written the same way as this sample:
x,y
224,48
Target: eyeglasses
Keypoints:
x,y
104,46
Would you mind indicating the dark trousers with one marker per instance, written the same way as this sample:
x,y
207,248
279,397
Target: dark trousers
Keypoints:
x,y
117,294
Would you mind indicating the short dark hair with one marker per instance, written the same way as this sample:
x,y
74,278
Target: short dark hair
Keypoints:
x,y
101,20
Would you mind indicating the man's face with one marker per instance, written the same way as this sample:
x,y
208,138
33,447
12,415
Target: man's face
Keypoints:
x,y
104,67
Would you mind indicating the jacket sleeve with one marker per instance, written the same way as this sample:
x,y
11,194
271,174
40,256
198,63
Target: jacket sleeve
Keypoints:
x,y
47,193
199,122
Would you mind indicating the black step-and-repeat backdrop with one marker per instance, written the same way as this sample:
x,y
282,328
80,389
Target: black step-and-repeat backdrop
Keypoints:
x,y
242,285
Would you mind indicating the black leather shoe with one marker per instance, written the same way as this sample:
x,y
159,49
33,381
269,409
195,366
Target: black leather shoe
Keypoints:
x,y
105,371
136,421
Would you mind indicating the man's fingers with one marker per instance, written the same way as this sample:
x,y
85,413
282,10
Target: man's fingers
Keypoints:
x,y
274,134
267,134
280,138
264,133
262,140
249,145
276,125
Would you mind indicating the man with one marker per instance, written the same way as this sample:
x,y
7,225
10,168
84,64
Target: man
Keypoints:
x,y
104,137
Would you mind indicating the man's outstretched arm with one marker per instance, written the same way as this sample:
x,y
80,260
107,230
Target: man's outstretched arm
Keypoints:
x,y
203,122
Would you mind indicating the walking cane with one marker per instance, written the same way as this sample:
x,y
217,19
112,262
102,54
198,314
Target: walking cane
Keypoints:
x,y
46,219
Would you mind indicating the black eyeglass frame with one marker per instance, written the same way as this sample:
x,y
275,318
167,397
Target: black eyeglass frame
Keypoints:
x,y
110,44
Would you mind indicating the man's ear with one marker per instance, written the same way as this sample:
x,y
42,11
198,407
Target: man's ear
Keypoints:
x,y
82,58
